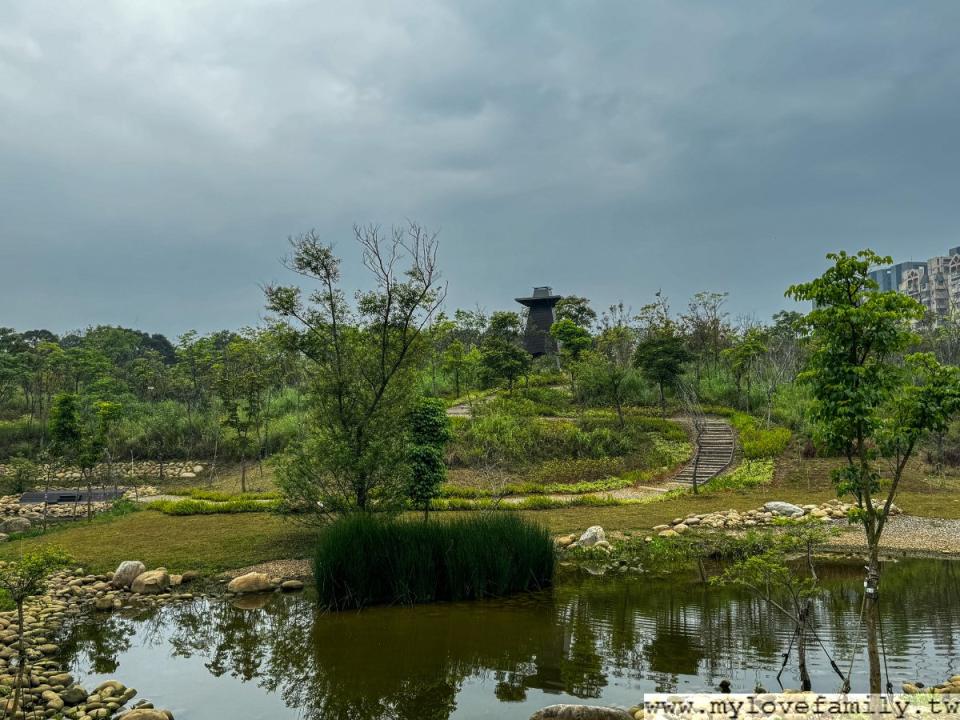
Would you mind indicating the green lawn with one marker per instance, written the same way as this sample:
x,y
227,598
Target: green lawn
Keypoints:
x,y
213,543
206,543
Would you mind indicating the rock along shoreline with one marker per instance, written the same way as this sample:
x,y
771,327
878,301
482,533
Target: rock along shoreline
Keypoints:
x,y
46,688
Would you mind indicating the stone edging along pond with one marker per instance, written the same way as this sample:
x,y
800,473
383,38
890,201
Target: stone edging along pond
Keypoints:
x,y
47,688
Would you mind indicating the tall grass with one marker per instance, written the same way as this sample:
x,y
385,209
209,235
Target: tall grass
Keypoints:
x,y
757,441
364,560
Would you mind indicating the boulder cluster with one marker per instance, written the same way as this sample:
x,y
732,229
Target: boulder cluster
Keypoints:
x,y
586,712
258,582
950,687
593,536
46,689
771,511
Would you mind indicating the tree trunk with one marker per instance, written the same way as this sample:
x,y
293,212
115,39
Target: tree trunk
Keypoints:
x,y
805,683
22,667
872,616
46,498
243,474
663,401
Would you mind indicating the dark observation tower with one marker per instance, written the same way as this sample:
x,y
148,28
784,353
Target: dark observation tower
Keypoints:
x,y
537,340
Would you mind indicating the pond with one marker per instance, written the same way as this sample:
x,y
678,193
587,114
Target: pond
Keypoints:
x,y
593,640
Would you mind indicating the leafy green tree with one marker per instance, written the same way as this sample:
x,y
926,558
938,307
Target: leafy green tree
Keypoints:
x,y
577,310
572,340
503,360
429,429
243,376
869,405
363,363
66,431
455,362
22,579
745,357
23,476
73,441
661,357
505,325
108,423
607,375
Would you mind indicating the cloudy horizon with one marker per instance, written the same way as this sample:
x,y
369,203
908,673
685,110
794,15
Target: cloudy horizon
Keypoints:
x,y
154,157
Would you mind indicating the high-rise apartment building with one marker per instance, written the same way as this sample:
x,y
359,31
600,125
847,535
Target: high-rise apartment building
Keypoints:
x,y
935,284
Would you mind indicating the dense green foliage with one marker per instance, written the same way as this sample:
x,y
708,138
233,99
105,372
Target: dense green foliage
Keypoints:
x,y
429,432
757,441
140,396
363,361
870,402
364,560
191,506
873,400
748,474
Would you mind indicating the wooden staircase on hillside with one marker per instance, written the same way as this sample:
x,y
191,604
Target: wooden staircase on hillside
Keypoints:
x,y
715,455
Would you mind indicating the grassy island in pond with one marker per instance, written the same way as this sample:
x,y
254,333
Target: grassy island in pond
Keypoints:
x,y
366,560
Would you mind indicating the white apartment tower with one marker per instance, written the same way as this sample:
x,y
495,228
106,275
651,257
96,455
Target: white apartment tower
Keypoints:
x,y
935,284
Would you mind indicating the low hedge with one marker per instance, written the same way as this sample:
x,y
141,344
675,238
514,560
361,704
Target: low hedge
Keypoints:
x,y
190,506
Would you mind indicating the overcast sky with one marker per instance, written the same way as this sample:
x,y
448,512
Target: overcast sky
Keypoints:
x,y
154,156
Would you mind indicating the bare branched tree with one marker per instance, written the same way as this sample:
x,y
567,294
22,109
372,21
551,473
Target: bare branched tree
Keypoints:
x,y
363,356
698,422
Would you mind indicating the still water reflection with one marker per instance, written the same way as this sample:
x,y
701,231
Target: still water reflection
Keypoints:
x,y
590,639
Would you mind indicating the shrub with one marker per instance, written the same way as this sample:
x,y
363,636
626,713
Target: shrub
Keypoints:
x,y
21,436
206,507
574,470
21,475
221,496
749,474
364,559
759,442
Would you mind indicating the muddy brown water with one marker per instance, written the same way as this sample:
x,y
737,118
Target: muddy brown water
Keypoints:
x,y
590,639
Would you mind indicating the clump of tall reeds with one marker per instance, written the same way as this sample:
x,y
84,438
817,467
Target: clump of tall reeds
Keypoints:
x,y
366,559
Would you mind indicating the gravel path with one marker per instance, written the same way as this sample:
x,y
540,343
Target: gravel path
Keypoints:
x,y
287,569
909,533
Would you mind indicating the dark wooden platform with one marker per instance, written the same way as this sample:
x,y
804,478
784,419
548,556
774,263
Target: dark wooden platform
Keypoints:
x,y
60,497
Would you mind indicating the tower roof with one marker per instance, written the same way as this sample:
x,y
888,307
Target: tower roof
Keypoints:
x,y
542,295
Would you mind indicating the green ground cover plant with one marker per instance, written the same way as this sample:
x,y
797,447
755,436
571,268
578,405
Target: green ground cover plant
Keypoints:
x,y
190,506
757,441
749,474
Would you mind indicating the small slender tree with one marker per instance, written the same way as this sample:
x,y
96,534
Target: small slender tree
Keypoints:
x,y
429,431
362,361
23,579
572,340
785,587
661,356
870,404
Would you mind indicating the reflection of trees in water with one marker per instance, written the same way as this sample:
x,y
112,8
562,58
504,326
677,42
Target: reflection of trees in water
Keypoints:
x,y
920,614
585,635
97,644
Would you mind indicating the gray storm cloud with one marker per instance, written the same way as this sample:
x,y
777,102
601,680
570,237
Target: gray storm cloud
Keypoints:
x,y
155,156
